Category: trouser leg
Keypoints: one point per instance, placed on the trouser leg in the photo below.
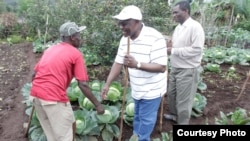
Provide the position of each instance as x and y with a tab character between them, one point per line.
171	93
186	83
146	118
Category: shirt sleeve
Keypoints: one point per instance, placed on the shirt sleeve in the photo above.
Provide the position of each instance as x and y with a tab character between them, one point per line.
80	70
121	51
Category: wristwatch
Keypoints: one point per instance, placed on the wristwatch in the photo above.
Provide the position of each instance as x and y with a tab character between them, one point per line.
138	65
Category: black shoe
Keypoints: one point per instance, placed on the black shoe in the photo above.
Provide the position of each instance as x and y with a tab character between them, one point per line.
170	117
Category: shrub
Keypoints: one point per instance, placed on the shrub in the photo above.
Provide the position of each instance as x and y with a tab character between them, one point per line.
102	34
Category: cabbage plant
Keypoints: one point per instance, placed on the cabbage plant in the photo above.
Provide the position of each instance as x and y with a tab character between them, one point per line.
115	92
85	103
96	85
73	91
199	104
88	104
238	117
129	114
85	125
109	130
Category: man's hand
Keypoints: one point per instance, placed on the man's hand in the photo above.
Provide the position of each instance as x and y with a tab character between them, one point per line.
169	43
169	49
104	92
130	61
99	109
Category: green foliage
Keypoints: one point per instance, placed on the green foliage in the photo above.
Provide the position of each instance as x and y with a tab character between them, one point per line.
84	123
201	85
39	46
218	18
245	25
199	104
73	91
220	54
25	91
88	104
238	117
102	34
231	74
96	85
14	39
85	103
128	117
115	92
212	68
109	130
2	7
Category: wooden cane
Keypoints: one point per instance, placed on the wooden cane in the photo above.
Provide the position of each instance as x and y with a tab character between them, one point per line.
244	86
162	107
161	113
124	92
26	134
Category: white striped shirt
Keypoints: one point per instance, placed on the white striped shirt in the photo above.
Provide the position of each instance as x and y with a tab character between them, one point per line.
148	47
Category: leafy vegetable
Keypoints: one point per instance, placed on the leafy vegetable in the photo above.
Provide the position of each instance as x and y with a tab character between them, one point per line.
96	85
84	123
113	94
88	104
213	67
73	93
107	122
115	91
80	124
106	117
130	109
238	117
198	105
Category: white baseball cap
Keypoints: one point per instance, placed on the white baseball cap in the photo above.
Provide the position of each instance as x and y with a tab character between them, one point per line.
129	12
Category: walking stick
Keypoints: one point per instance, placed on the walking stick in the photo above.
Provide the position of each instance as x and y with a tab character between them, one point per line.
124	92
244	86
29	122
162	107
161	113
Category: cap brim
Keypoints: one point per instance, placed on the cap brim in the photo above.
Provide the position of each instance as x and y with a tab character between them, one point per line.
118	17
81	28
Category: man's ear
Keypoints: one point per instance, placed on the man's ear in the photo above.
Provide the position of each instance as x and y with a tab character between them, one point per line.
72	37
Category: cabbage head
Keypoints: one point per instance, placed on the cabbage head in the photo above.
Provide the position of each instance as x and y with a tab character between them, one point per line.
88	104
80	124
130	109
106	117
113	94
96	85
73	93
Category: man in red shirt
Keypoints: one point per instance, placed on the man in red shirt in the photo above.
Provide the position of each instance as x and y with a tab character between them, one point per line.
52	76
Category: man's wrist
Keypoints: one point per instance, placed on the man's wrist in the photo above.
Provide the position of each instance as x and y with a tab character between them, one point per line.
138	66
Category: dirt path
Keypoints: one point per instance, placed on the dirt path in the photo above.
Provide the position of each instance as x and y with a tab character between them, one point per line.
16	66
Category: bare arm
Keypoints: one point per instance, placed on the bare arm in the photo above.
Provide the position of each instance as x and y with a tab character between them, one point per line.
150	67
114	72
83	85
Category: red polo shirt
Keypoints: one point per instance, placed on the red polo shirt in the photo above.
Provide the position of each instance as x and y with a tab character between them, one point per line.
55	70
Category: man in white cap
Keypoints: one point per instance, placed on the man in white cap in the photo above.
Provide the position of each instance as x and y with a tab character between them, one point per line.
52	76
146	62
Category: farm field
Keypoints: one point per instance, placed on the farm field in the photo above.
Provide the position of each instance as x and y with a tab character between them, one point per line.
18	60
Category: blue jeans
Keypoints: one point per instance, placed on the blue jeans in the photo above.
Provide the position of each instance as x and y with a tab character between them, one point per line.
145	116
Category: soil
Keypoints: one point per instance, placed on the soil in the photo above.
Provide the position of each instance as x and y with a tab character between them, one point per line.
16	67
